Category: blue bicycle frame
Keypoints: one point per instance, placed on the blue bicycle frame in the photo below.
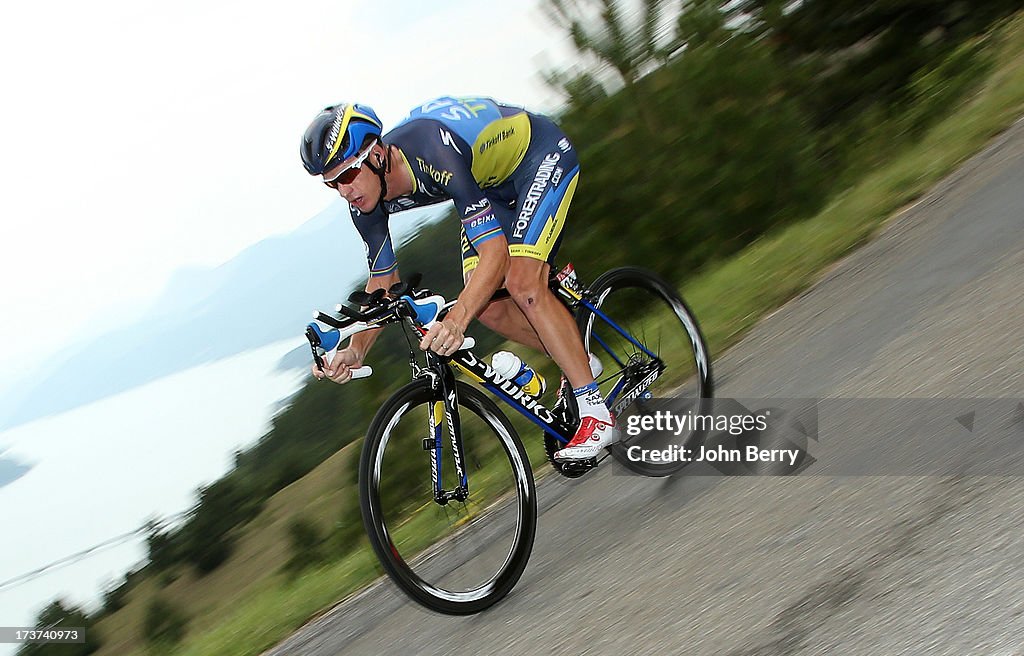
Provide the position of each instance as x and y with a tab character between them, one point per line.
625	390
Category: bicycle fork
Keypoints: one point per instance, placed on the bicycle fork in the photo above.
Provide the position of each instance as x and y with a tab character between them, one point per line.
445	412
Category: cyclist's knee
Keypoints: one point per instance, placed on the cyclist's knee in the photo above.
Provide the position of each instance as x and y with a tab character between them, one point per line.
526	282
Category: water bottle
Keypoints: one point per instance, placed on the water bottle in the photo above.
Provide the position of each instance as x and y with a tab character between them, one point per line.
508	365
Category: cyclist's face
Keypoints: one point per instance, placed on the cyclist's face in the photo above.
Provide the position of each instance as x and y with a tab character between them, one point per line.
359	186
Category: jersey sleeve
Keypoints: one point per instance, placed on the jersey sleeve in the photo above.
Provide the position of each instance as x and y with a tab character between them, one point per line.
380	252
447	166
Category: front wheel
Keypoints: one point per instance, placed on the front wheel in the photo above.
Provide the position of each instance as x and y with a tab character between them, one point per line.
453	556
654	358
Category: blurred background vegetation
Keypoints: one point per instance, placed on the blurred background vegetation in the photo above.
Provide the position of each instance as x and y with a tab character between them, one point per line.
700	125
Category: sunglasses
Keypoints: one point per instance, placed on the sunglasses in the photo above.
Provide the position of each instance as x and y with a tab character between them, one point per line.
349	173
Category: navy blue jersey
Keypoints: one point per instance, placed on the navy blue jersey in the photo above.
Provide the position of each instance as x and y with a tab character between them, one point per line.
470	151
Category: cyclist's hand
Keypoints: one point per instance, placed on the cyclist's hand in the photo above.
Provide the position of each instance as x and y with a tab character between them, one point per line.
444	338
340	370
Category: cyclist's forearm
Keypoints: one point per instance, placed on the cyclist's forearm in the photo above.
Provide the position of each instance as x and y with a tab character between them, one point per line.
487	277
361	342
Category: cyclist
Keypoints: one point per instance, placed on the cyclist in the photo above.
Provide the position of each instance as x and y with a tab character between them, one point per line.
511	174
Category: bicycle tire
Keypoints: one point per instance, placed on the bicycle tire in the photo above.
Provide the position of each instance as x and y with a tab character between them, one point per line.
430	594
663	300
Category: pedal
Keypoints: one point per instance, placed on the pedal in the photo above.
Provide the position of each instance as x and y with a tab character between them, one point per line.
575	468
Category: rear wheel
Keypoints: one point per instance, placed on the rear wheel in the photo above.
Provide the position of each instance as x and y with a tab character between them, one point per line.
661	364
456	557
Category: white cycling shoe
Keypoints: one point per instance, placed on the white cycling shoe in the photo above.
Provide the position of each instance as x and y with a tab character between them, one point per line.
593	436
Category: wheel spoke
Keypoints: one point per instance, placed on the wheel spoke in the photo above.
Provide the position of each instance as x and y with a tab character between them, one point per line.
463	555
651	312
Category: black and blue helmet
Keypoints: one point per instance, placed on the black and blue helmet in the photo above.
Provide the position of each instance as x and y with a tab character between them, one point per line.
337	133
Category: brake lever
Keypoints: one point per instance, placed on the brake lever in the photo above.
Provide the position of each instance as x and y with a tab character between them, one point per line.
314	341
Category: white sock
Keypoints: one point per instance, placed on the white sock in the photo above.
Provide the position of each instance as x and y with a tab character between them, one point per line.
591	402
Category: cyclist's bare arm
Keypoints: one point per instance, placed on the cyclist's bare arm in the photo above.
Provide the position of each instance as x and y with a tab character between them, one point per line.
445	337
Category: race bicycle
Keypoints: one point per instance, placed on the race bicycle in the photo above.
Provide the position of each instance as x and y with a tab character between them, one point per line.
460	544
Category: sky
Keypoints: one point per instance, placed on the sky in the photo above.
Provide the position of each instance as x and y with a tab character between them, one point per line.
139	138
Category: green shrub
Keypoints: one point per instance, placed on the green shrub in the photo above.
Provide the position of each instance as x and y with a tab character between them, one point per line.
60	614
164	624
307	545
935	91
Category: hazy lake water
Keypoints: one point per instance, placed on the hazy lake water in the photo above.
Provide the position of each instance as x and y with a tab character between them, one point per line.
103	469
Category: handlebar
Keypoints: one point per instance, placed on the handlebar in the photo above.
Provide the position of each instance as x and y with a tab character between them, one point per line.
420	306
362	372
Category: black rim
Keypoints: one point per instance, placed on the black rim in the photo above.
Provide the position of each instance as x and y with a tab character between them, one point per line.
653	313
436	576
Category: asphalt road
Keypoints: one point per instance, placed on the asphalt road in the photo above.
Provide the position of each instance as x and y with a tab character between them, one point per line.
925	559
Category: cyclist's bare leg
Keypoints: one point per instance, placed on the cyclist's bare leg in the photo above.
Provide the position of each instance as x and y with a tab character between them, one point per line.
505	318
527	282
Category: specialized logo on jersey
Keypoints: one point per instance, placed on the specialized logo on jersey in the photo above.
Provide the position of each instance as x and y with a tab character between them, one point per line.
564	145
496	139
533	196
448	140
437	175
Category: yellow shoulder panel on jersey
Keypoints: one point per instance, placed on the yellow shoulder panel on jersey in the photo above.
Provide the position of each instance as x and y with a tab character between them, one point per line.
500	148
